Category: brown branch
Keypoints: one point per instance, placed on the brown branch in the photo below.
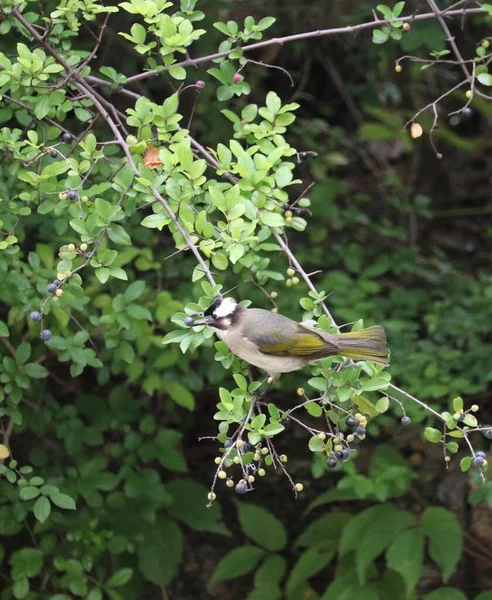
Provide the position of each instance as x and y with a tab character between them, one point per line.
287	39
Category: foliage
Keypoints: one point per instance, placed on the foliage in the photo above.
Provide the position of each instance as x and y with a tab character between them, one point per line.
117	224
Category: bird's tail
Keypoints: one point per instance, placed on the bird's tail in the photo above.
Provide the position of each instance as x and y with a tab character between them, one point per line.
367	344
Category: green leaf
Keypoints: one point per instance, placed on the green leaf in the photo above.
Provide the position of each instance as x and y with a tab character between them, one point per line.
190	506
379	37
238	562
446	594
432	435
177	73
379	535
180	394
261	526
120	578
406	557
272	219
42	509
63	501
35	370
309	563
445	538
134	291
160	551
29	492
485	79
27	562
465	463
42	106
4	330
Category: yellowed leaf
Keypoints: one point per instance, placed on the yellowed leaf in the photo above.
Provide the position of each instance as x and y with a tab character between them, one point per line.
151	157
4	451
416	130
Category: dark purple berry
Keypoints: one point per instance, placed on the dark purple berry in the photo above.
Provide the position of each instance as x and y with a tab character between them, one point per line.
361	431
228	443
285	206
45	335
478	461
189	321
72	195
345	454
303	155
332	463
314	154
248	447
35	316
467	112
242	487
406	420
351	422
356	439
299	212
52	288
67	137
338	454
53	154
488	433
56	282
480	453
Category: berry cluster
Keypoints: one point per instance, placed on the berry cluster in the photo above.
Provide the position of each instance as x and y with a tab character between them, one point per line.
293	279
253	460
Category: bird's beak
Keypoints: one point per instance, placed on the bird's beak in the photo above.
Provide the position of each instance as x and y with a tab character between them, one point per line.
203	321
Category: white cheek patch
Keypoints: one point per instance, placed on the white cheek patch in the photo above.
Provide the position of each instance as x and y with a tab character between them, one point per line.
225	308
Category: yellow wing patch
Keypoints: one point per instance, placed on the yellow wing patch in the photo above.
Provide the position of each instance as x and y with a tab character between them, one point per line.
304	344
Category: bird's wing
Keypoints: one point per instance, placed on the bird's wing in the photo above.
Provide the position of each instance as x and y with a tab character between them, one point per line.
287	338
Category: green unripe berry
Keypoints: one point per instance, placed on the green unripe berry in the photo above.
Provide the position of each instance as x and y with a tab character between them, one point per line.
474	408
290	272
468	94
237	460
62	196
211	496
485	44
298	487
288	214
218	460
261	472
273	295
222	474
229	483
265	451
398	68
300	391
295	280
256	456
251	478
288	282
283	458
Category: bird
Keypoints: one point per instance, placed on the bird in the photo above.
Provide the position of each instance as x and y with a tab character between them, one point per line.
277	344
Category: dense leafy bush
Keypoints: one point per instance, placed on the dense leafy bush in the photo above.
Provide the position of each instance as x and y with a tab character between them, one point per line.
137	183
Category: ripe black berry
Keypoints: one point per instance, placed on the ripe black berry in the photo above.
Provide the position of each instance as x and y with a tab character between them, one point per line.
356	439
467	112
35	316
286	206
228	443
361	430
67	137
248	447
72	195
480	453
298	212
345	453
53	154
46	335
488	433
406	420
56	282
332	463
189	321
339	454
478	461
303	155
351	422
51	288
242	487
